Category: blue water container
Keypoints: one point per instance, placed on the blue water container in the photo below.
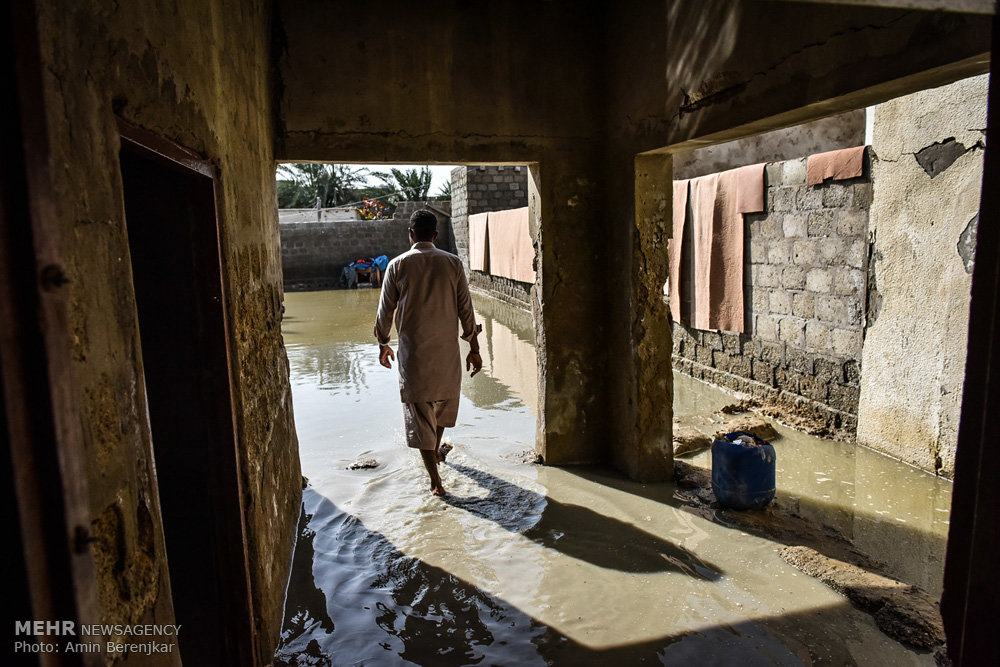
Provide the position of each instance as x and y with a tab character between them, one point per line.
743	477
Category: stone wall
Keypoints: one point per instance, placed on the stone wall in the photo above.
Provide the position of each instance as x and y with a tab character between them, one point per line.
804	295
927	170
314	253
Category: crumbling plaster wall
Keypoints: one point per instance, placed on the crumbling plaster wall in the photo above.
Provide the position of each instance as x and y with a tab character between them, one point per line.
196	73
927	175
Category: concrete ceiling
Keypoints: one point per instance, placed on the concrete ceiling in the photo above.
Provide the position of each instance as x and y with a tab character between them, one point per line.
970	6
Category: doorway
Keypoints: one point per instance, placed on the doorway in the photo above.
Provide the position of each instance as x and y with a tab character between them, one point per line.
176	271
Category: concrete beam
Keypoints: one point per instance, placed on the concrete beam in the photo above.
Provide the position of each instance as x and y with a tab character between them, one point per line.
969	6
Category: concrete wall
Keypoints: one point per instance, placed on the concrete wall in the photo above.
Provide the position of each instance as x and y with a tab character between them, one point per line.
314	253
927	172
826	134
196	73
804	297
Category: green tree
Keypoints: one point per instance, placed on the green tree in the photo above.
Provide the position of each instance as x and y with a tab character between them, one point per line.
409	185
444	192
304	183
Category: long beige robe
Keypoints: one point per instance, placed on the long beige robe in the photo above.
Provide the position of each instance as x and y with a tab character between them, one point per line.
427	292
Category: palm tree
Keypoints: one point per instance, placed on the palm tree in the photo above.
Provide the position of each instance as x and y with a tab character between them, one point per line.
332	184
409	185
444	192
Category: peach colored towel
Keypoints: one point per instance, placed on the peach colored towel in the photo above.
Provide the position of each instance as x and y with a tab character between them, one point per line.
703	195
750	184
836	165
511	253
479	258
674	246
718	202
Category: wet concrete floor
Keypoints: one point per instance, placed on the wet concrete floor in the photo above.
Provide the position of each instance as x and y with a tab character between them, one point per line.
530	565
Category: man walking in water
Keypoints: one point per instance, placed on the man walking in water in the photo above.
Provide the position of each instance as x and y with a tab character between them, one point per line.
427	291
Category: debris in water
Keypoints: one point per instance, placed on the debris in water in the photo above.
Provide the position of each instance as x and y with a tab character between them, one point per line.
524	456
689	441
362	463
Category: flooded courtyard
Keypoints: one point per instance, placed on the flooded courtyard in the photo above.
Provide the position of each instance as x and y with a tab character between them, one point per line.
529	565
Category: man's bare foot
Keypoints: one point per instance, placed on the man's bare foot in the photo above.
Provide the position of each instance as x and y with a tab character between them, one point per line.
438	490
442	452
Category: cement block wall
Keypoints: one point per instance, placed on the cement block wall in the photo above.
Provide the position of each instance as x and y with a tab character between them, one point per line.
927	170
804	295
480	190
147	64
314	253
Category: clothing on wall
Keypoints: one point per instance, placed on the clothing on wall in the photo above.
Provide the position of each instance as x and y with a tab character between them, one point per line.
479	258
837	165
674	246
718	202
511	253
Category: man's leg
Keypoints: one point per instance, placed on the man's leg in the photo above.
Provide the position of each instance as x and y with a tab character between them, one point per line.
419	422
437	447
430	458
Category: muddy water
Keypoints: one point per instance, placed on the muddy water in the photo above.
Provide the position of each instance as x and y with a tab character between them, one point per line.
528	565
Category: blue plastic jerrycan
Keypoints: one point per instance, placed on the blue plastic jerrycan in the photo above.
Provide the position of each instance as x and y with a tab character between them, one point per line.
743	476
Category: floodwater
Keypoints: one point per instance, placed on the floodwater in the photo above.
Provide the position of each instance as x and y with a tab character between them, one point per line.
531	565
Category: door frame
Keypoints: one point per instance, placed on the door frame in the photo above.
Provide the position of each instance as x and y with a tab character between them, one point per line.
229	521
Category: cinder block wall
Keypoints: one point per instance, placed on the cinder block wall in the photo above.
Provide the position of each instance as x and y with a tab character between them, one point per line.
314	253
806	258
479	190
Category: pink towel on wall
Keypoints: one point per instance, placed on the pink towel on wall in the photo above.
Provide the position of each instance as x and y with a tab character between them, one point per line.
512	254
836	165
674	246
479	259
703	194
750	184
718	202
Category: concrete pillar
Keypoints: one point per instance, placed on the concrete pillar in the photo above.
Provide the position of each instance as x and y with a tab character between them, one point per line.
645	452
571	309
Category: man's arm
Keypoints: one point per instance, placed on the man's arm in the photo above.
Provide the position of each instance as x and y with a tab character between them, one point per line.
470	330
383	320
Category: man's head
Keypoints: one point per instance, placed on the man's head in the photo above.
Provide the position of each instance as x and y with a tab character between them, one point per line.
423	226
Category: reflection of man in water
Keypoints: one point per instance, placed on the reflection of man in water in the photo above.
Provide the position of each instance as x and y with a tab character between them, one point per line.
427	290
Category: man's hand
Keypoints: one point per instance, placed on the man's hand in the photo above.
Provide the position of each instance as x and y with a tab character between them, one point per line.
473	362
385	353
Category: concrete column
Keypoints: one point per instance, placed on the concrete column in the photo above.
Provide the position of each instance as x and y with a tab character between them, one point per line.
646	426
571	309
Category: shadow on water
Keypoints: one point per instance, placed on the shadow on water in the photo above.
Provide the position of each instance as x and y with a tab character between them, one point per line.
580	532
903	551
355	599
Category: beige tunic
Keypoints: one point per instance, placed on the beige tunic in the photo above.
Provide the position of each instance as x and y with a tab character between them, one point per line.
428	292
